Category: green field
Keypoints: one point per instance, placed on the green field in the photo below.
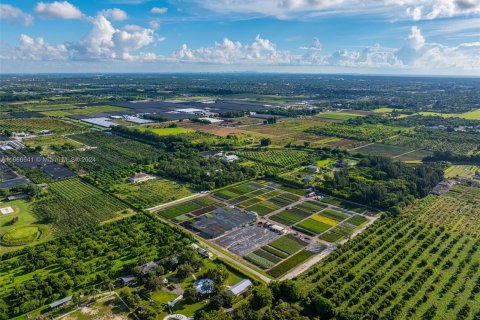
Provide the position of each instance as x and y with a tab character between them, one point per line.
313	226
87	110
35	125
51	141
401	269
288	244
151	192
338	115
287	265
384	110
169	131
24	226
466	171
74	204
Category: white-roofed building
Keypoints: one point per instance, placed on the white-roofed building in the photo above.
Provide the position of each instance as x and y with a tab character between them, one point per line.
241	287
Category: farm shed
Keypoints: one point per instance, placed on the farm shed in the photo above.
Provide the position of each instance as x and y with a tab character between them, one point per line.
61	302
240	287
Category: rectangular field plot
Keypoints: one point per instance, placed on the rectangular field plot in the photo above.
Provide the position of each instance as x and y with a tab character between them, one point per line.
264	208
285	266
288	244
74	203
150	193
384	150
289	217
312	227
239	190
453	213
339	232
347	205
180	209
246	239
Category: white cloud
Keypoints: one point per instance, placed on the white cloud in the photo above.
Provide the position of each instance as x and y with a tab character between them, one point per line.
261	51
154	24
38	50
114	14
288	9
315	46
15	15
159	10
415	13
107	43
61	10
103	41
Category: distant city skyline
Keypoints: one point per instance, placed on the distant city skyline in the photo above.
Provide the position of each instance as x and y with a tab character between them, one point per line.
404	37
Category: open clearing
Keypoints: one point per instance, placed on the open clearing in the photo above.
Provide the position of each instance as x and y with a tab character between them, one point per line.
24	230
461	171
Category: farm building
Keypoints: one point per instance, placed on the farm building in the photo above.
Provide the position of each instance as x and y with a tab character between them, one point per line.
240	287
230	158
313	169
126	280
61	302
139	177
211	120
149	266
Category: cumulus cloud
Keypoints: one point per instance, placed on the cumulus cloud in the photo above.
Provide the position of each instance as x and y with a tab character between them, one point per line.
159	10
60	10
38	50
316	45
105	42
14	15
102	42
233	52
286	9
114	14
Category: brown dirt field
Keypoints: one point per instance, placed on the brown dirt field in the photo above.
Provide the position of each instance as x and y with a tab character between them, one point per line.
346	143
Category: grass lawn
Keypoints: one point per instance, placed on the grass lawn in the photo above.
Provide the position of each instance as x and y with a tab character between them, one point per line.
26	226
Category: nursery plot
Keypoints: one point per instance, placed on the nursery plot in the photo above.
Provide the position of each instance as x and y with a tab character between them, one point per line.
151	192
312	226
288	244
76	204
455	214
401	269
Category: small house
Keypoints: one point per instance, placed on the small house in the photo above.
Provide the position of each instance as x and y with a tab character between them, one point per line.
313	169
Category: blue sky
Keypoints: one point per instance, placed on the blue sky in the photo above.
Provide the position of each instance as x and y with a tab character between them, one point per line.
352	36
